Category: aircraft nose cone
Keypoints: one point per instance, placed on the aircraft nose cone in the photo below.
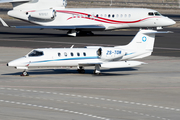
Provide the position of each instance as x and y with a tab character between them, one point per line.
171	21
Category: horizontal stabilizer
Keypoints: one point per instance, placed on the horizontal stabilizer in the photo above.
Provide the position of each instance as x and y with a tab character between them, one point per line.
10	1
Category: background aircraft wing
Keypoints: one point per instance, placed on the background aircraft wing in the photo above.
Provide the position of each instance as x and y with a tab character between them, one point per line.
7	1
73	27
70	27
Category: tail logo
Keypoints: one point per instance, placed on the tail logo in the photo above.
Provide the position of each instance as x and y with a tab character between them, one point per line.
144	39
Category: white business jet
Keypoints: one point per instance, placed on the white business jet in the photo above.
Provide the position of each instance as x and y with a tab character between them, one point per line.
106	57
52	14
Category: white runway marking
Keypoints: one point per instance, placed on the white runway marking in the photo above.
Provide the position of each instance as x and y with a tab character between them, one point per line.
104	99
56	109
90	105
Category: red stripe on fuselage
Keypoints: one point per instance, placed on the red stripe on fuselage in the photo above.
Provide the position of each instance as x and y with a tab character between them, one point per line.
100	19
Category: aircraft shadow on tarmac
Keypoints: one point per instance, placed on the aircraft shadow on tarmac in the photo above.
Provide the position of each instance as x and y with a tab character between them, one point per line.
34	35
69	71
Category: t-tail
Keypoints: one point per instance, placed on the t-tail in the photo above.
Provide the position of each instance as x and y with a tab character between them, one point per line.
35	4
142	44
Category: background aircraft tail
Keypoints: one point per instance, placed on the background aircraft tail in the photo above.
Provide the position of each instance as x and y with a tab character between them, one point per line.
35	4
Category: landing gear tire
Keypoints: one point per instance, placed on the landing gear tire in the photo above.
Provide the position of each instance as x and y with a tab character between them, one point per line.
81	71
96	73
97	70
84	33
24	73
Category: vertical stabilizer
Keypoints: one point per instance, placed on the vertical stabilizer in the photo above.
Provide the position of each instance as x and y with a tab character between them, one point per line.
142	44
144	40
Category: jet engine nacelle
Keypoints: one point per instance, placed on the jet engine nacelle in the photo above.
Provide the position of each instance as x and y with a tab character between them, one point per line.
43	14
110	54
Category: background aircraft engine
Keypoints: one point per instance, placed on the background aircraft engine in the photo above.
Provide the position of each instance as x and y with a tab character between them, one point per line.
44	14
110	54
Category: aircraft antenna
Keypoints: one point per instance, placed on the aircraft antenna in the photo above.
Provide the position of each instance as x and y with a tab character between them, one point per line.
72	46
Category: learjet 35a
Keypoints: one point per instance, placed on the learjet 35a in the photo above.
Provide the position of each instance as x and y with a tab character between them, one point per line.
106	57
52	14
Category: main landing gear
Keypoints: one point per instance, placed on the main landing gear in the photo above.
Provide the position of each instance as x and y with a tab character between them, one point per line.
73	33
81	70
24	73
97	70
82	33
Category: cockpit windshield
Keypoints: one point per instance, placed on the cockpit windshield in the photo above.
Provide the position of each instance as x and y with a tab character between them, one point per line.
35	53
154	14
157	14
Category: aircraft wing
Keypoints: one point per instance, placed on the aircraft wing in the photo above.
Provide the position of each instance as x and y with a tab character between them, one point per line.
89	63
73	27
9	1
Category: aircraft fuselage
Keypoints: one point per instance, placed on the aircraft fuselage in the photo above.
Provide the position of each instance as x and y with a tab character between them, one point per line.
111	18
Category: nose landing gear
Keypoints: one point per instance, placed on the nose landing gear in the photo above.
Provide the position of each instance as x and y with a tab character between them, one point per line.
24	73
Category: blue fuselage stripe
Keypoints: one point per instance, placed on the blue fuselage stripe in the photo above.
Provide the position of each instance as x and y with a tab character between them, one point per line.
76	58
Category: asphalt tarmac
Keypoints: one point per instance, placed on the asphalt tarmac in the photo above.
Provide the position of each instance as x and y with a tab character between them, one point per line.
147	92
165	44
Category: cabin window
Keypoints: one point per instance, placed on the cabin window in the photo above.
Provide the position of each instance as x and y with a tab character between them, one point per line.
101	15
78	54
113	16
117	15
105	15
157	14
59	54
72	54
89	16
129	15
109	15
97	15
151	14
65	54
121	15
35	53
84	53
125	15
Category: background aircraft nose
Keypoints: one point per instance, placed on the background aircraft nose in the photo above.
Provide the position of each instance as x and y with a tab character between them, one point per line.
7	64
171	21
